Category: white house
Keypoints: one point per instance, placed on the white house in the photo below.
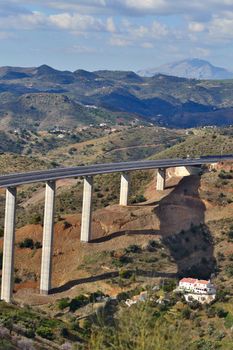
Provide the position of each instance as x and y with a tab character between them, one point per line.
197	286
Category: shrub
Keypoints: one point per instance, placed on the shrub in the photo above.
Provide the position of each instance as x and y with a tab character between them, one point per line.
75	325
72	150
133	248
45	332
63	303
54	164
229	271
123	259
221	313
17	279
64	332
230	234
123	296
125	274
67	225
29	333
94	296
37	245
153	245
35	219
77	302
210	312
221	295
169	285
138	199
27	243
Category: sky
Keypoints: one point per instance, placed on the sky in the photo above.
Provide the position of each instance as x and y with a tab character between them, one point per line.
115	34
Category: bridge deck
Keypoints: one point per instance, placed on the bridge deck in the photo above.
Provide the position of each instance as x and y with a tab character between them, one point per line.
16	179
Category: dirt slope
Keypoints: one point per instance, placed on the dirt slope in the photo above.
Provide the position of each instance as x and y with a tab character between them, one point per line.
162	217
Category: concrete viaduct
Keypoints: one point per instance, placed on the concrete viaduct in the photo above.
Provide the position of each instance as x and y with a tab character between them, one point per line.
10	182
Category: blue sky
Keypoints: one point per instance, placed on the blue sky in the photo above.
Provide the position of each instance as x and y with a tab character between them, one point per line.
115	34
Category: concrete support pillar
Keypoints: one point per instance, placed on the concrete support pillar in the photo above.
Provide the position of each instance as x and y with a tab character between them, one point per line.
8	245
47	245
87	209
161	179
187	170
124	193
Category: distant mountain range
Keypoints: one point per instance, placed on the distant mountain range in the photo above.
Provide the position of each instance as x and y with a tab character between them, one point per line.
44	97
190	69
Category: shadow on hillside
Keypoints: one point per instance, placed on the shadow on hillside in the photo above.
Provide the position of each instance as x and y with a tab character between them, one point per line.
124	233
70	284
184	232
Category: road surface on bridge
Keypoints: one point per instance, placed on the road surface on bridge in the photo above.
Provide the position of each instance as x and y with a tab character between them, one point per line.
11	180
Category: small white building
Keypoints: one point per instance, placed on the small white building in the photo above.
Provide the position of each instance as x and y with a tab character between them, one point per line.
200	290
197	286
137	298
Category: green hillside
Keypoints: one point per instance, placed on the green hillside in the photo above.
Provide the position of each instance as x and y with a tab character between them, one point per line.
200	143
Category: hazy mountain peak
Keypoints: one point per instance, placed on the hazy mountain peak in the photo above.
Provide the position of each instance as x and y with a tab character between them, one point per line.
84	74
192	68
45	69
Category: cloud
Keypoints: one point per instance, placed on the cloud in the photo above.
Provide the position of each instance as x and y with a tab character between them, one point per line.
153	30
221	27
80	49
133	7
76	22
138	7
23	21
196	27
120	41
126	23
72	22
110	25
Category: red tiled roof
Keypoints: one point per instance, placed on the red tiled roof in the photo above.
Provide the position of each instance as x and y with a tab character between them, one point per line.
193	280
189	280
202	281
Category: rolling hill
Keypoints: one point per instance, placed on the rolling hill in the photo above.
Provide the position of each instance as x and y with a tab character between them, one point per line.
42	97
